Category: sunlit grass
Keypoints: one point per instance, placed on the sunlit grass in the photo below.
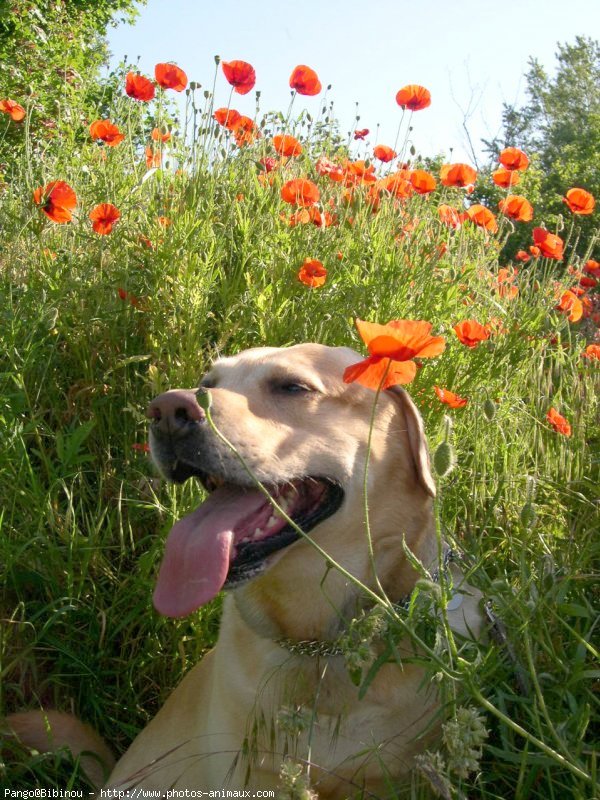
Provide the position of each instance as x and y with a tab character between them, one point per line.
93	326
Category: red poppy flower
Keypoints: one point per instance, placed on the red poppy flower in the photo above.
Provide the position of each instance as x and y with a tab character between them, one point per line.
170	76
324	166
57	200
423	182
483	217
245	131
588	281
550	245
580	201
104	217
268	164
397	184
392	348
592	351
471	333
522	255
227	117
361	134
240	75
312	214
153	158
516	207
287	145
142	447
305	81
535	251
571	306
592	267
300	192
457	175
15	111
505	177
320	219
106	131
450	399
157	135
558	422
512	158
414	97
356	172
312	273
449	216
139	87
504	285
384	153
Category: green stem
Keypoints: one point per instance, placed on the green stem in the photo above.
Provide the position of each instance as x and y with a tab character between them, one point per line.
529	737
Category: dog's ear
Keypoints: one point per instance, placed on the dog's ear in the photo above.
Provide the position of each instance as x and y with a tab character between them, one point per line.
416	437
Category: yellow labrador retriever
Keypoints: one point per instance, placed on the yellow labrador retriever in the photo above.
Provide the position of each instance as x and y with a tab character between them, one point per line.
276	683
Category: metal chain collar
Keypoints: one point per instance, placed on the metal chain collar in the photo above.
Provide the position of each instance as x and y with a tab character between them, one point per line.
326	649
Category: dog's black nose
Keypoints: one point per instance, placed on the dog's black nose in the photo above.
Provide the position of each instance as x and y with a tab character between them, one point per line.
175	412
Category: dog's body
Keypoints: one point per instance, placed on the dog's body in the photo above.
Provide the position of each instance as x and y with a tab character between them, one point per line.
255	698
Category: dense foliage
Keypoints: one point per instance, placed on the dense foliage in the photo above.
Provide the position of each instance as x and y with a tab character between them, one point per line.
50	49
124	270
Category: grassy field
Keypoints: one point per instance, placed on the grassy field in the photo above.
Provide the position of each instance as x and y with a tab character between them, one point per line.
204	260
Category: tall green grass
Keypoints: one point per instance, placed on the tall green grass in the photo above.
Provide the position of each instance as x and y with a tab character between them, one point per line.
84	514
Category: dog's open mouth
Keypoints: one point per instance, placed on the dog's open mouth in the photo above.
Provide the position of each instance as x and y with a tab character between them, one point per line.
227	540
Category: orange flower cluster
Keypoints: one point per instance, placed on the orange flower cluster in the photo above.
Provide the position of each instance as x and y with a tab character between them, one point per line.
167	76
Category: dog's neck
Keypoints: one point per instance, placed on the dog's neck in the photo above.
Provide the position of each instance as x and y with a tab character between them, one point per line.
319	603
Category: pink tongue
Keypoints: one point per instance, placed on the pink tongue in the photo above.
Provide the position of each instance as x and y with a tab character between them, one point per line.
198	551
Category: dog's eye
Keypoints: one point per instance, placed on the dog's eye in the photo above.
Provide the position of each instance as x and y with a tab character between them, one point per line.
291	387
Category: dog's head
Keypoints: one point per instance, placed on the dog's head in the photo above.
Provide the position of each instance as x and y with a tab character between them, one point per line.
303	433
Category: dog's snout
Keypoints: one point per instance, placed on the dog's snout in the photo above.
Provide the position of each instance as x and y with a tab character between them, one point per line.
175	411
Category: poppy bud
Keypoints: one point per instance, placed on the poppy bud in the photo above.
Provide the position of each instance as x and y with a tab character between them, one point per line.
444	459
489	409
204	399
430	587
217	60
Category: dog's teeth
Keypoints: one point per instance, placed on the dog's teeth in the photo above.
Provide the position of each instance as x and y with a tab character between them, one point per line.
272	521
257	533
